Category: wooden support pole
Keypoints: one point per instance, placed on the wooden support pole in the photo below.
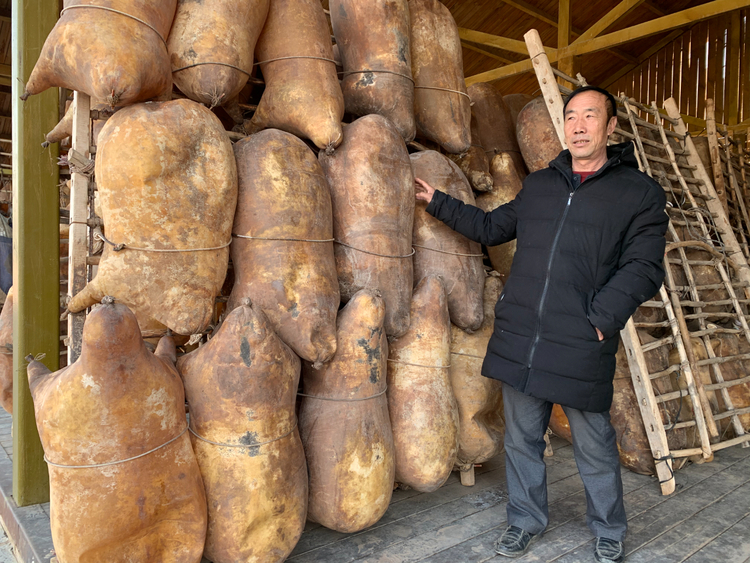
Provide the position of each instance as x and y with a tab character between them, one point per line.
36	250
547	81
567	64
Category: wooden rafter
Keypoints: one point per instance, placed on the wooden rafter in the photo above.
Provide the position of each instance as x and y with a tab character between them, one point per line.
658	25
551	20
567	65
532	11
639	31
610	18
476	49
505	43
563	24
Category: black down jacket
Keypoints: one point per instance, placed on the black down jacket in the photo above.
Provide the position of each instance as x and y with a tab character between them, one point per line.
587	255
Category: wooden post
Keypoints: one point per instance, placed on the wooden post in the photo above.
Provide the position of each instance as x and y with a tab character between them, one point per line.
78	237
467	476
36	250
713	147
547	81
568	64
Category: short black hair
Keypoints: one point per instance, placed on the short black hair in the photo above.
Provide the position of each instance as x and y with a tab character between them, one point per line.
611	106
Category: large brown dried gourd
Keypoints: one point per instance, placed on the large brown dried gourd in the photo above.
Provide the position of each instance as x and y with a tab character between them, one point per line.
167	180
497	132
726	345
343	420
282	250
113	50
442	107
211	47
537	136
372	191
441	251
474	162
515	103
506	185
373	41
6	354
302	94
124	483
423	410
242	389
479	399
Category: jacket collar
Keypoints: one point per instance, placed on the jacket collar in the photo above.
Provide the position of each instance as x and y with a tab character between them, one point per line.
622	153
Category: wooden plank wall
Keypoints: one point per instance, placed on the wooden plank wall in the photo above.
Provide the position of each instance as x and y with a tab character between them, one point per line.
710	60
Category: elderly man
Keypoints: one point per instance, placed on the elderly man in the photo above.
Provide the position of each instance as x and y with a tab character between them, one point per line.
590	244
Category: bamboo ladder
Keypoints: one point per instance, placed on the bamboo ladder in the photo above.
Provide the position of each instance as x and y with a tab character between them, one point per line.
685	188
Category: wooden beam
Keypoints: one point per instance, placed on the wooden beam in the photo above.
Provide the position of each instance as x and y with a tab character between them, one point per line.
36	248
505	43
471	47
731	106
563	23
567	64
744	125
503	72
654	9
659	25
532	11
549	19
5	74
644	57
608	19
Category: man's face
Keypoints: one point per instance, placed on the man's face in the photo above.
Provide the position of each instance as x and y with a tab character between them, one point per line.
587	127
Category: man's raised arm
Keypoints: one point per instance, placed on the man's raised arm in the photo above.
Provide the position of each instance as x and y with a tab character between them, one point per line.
493	228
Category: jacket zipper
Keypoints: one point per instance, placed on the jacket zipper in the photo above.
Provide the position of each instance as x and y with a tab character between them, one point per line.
543	299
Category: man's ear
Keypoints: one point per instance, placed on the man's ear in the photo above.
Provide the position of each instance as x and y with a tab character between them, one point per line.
611	125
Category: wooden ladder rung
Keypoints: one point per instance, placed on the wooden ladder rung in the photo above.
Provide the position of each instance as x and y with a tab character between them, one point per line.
723	360
733	412
727	384
670	370
657	344
661	324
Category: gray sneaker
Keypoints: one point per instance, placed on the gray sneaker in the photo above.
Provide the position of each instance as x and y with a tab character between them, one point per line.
609	551
514	542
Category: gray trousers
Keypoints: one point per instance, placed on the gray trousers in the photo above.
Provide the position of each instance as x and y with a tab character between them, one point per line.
595	449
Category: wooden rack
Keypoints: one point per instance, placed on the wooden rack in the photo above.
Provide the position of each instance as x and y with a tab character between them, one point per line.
700	236
728	164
